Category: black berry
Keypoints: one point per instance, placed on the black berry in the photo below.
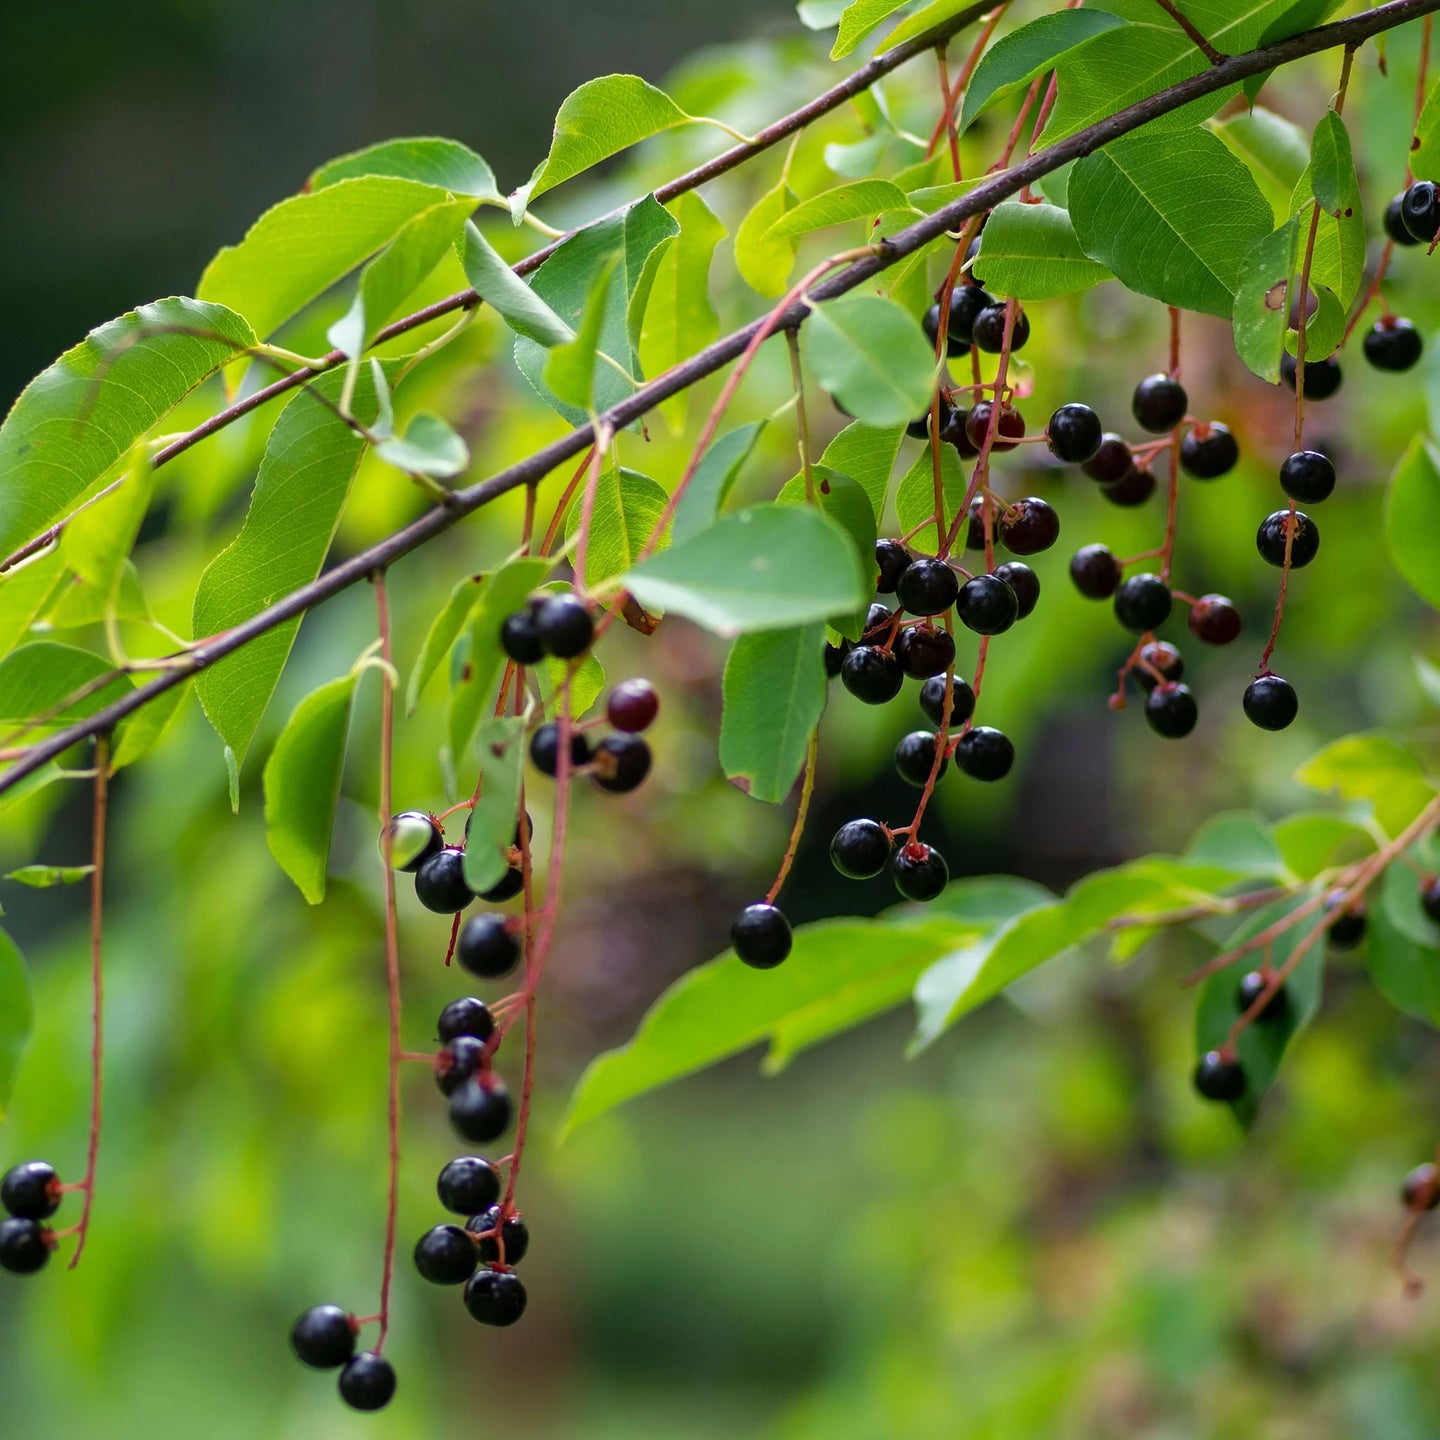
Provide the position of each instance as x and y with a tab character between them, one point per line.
509	885
1024	582
323	1337
1395	222
860	849
966	302
495	1297
914	757
1304	543
1322	377
1159	404
872	675
1393	344
975	524
487	946
1307	476
928	587
1420	211
924	651
367	1382
564	627
892	559
1430	897
930	323
1250	990
446	1255
1111	462
1095	571
1158	661
919	427
1421	1188
920	871
761	936
545	749
413	837
1218	1077
988	331
24	1246
480	1109
468	1185
1209	451
621	763
972	253
1270	702
457	1062
985	753
632	706
878	616
962	700
440	883
1170	710
1135	488
956	433
986	605
1029	526
1142	603
1214	620
31	1190
520	640
1074	434
1009	428
514	1233
834	656
1349	929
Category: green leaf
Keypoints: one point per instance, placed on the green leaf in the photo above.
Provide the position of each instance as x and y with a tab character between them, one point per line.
418	247
774	691
1237	840
1401	947
821	14
1412	519
281	546
41	877
37	678
1191	210
569	371
603	117
839	973
628	506
17	1015
1323	330
139	733
866	453
859	200
1426	674
302	784
711	483
444	630
1017	58
858	20
512	299
1260	314
491	831
299	248
78	603
769	567
765	264
1030	251
681	320
587	682
429	447
1425	157
915	495
1319	840
445	164
872	357
1275	149
25	591
1338	262
921	20
97	541
849	507
563	282
82	414
501	594
1333	165
1374	767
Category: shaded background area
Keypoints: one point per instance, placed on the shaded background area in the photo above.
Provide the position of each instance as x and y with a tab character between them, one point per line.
1034	1229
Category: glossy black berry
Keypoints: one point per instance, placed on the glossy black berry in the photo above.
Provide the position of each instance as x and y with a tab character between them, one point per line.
1142	603
545	749
509	885
1395	222
1024	582
1074	434
440	883
1430	897
1214	620
988	331
480	1110
985	753
955	432
24	1246
878	617
919	427
1421	1188
930	323
495	1297
1393	344
31	1190
919	871
1133	489
1029	526
520	640
1170	710
914	756
1159	404
632	706
413	837
1095	571
487	946
972	253
621	763
367	1382
1270	538
834	656
986	605
892	560
860	849
872	675
564	627
1348	930
928	587
323	1337
457	1062
468	1185
966	302
761	936
1307	476
446	1255
1420	211
1111	462
924	651
962	701
1322	377
1219	1078
514	1233
1250	990
975	523
1209	451
1008	429
1158	661
1270	702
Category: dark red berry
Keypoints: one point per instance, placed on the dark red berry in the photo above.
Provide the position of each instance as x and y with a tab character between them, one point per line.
520	640
31	1190
932	701
1029	526
632	706
413	837
860	849
892	559
514	1235
1421	1190
545	749
984	753
1111	462
621	763
367	1382
440	883
1142	603
1304	544
1209	451
1135	489
987	605
1214	620
323	1337
1322	377
487	947
1307	476
1219	1077
914	757
468	1185
1430	897
1393	344
495	1297
1095	571
988	331
872	675
954	432
465	1017
481	1109
1009	428
1270	702
1251	988
1024	582
923	651
919	871
1170	710
1420	211
1395	222
761	936
445	1255
928	587
1158	661
1159	404
1074	434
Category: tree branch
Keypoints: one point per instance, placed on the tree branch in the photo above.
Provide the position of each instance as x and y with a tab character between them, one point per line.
983	197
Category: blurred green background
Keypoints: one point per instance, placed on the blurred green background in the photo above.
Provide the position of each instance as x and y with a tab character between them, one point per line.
1033	1231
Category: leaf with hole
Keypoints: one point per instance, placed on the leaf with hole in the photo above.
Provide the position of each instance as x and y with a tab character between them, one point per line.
1260	315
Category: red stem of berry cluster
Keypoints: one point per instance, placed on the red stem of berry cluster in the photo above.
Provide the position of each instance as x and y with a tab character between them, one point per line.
97	984
947	113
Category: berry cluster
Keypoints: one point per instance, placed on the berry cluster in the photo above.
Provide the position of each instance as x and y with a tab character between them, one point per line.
30	1193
